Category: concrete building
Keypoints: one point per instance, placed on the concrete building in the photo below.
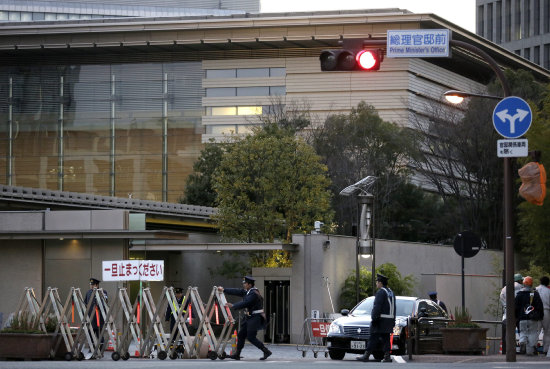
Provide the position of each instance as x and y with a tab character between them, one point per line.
521	26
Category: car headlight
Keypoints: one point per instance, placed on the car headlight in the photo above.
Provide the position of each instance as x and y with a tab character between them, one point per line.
335	328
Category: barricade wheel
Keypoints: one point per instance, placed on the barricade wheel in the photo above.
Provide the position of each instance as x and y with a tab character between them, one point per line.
173	356
303	354
212	355
222	356
80	356
68	356
315	355
326	354
126	356
115	356
162	355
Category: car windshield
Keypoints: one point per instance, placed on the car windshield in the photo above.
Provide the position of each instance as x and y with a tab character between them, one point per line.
403	307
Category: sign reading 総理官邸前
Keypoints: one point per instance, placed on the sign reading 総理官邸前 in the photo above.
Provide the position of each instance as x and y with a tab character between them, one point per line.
418	43
133	270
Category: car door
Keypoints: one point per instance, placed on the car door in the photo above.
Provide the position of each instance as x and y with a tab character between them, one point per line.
431	318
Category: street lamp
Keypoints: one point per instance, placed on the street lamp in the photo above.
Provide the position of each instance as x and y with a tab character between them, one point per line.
508	214
363	244
457	97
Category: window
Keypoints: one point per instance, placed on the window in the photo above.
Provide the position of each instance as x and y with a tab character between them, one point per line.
226	129
49	16
37	16
224	110
252	91
277	90
277	72
26	17
252	72
15	16
249	110
221	73
4	15
220	92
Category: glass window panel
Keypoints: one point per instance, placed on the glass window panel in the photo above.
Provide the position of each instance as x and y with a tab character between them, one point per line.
220	92
224	110
85	16
26	17
49	16
249	110
15	16
277	90
62	16
74	16
252	72
252	91
37	16
277	72
220	73
4	15
226	129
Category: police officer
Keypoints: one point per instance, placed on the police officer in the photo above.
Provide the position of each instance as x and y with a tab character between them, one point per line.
433	297
97	317
178	293
254	320
383	320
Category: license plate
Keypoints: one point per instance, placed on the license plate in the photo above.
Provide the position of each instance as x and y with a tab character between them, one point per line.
357	345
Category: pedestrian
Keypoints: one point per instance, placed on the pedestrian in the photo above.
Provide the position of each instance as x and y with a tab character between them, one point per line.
433	297
94	312
254	319
518	285
383	320
544	293
172	315
529	313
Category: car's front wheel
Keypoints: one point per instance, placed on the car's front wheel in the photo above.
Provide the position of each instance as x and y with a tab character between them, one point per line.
336	354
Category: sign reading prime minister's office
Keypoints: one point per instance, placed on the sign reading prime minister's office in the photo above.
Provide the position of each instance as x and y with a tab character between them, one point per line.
419	43
133	270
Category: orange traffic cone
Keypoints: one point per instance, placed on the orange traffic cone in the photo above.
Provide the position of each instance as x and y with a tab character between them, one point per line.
500	348
136	353
233	343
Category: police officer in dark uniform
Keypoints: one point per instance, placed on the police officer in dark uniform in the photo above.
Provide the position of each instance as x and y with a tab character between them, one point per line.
97	317
433	297
178	293
254	320
383	320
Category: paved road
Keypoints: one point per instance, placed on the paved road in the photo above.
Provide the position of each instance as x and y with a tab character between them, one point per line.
288	357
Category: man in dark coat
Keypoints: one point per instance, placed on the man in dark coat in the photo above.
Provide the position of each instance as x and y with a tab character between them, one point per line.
97	318
178	293
254	319
383	320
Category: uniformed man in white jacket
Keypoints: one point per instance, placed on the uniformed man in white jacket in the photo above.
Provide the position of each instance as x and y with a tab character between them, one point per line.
518	280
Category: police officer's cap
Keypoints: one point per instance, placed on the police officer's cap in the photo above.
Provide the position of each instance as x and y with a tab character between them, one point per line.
248	279
432	293
178	290
94	281
381	278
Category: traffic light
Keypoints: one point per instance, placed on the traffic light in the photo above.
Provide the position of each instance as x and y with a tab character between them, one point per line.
347	59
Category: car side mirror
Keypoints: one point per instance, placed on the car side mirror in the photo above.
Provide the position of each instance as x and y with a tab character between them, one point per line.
344	312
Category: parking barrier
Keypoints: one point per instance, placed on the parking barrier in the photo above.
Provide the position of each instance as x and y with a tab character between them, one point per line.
314	333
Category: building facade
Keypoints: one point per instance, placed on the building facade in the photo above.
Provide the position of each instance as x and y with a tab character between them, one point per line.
521	26
122	107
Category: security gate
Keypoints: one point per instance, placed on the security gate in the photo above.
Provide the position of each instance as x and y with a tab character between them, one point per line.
277	305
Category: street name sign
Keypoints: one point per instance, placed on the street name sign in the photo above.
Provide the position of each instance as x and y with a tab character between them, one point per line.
419	43
515	148
512	117
133	270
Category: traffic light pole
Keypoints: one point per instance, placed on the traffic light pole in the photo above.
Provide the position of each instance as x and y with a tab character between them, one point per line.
508	214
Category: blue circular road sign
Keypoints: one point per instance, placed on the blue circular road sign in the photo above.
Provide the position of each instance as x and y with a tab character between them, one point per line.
512	117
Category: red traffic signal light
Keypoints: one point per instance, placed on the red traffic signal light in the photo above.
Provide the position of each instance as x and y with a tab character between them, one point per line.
347	60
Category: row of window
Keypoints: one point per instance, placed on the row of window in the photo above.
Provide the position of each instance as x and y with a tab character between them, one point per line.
236	110
246	91
12	16
245	73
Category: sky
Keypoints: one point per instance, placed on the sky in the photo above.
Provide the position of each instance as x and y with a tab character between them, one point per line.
459	12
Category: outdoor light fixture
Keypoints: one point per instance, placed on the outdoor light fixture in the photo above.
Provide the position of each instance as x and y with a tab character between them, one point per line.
457	97
360	187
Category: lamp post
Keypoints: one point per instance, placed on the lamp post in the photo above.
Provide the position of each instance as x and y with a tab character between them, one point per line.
508	214
364	222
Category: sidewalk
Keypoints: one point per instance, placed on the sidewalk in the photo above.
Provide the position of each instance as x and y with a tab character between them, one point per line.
473	358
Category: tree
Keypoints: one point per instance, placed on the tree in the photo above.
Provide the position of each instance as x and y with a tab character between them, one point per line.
199	184
270	185
402	286
533	220
357	145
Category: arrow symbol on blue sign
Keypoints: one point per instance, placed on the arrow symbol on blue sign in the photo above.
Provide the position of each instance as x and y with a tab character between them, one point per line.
503	116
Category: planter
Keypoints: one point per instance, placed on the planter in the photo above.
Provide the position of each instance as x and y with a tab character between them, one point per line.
464	340
25	346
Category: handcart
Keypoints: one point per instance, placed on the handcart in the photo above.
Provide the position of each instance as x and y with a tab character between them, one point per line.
314	333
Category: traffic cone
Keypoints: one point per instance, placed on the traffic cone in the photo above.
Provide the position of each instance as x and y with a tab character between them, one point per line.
233	343
500	348
136	353
110	346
